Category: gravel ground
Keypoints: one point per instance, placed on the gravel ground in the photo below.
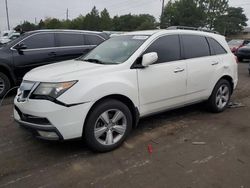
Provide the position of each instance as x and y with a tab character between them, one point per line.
191	149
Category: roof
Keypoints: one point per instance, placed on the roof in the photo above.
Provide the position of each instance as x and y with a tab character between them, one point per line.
64	30
172	31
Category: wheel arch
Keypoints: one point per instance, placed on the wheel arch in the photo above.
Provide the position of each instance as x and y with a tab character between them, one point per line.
230	80
4	69
124	99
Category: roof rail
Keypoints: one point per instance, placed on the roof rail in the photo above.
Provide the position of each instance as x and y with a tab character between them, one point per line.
192	28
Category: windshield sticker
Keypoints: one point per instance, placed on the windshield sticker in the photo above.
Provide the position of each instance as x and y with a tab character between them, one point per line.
140	37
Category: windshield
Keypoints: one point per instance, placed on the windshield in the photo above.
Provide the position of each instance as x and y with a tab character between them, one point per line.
115	50
235	42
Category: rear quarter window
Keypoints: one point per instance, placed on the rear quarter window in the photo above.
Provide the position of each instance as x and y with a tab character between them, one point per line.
93	39
195	46
215	47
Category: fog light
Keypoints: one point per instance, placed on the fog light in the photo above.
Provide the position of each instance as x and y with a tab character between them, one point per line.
49	135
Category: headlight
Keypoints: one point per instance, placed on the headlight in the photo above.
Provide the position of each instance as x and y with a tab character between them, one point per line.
51	90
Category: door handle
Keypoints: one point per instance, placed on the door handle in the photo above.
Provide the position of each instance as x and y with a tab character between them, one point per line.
215	63
177	70
52	54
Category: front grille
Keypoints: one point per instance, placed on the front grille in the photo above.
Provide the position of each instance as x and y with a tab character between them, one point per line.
32	119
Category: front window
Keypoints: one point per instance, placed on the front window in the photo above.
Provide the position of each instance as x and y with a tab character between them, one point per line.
116	50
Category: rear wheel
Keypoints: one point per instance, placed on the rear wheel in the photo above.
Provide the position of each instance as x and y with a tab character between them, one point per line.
107	126
4	84
220	97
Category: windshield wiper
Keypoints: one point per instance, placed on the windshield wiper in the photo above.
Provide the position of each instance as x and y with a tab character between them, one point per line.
94	61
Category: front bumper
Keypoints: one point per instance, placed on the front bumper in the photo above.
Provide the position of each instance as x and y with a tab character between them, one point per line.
51	121
42	132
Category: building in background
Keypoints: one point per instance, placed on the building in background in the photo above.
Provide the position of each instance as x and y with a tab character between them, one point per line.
245	34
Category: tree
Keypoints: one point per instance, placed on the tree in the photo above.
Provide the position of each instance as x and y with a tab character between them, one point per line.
183	12
41	24
232	22
92	20
213	10
145	21
26	26
105	20
52	23
77	23
130	22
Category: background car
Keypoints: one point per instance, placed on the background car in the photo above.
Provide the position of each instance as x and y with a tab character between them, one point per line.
243	52
10	37
42	47
235	44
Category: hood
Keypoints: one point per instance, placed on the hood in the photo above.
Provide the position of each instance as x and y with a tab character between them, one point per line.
245	47
65	71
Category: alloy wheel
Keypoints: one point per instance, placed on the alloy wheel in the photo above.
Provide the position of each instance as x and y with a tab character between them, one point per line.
110	127
2	85
222	96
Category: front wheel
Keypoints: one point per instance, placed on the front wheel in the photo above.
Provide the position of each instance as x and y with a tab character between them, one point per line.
4	84
107	125
220	97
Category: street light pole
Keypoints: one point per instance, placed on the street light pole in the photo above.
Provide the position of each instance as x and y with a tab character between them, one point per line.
7	13
162	9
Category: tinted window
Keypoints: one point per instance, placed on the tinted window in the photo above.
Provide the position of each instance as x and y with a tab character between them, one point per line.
93	40
43	40
215	47
195	46
167	48
70	39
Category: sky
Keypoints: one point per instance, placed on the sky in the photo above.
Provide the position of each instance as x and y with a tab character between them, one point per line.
34	10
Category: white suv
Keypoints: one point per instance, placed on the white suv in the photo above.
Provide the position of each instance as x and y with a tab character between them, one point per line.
102	95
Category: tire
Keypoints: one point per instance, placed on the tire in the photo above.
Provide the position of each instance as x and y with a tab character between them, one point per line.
103	132
220	97
4	84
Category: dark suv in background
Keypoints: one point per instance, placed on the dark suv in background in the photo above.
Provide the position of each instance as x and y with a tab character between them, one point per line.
42	47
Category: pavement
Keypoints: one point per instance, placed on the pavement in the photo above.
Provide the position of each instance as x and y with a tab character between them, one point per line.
184	148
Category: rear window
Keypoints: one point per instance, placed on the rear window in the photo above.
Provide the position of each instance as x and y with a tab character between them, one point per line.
69	39
215	47
195	46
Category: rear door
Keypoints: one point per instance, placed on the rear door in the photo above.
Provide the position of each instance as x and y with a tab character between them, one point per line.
200	66
163	84
39	51
69	45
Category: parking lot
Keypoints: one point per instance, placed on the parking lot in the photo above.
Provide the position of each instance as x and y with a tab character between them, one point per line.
190	148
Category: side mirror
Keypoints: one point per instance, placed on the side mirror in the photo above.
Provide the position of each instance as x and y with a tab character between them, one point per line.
19	47
149	59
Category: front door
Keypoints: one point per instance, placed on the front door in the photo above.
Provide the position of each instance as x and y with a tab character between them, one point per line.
163	84
40	51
